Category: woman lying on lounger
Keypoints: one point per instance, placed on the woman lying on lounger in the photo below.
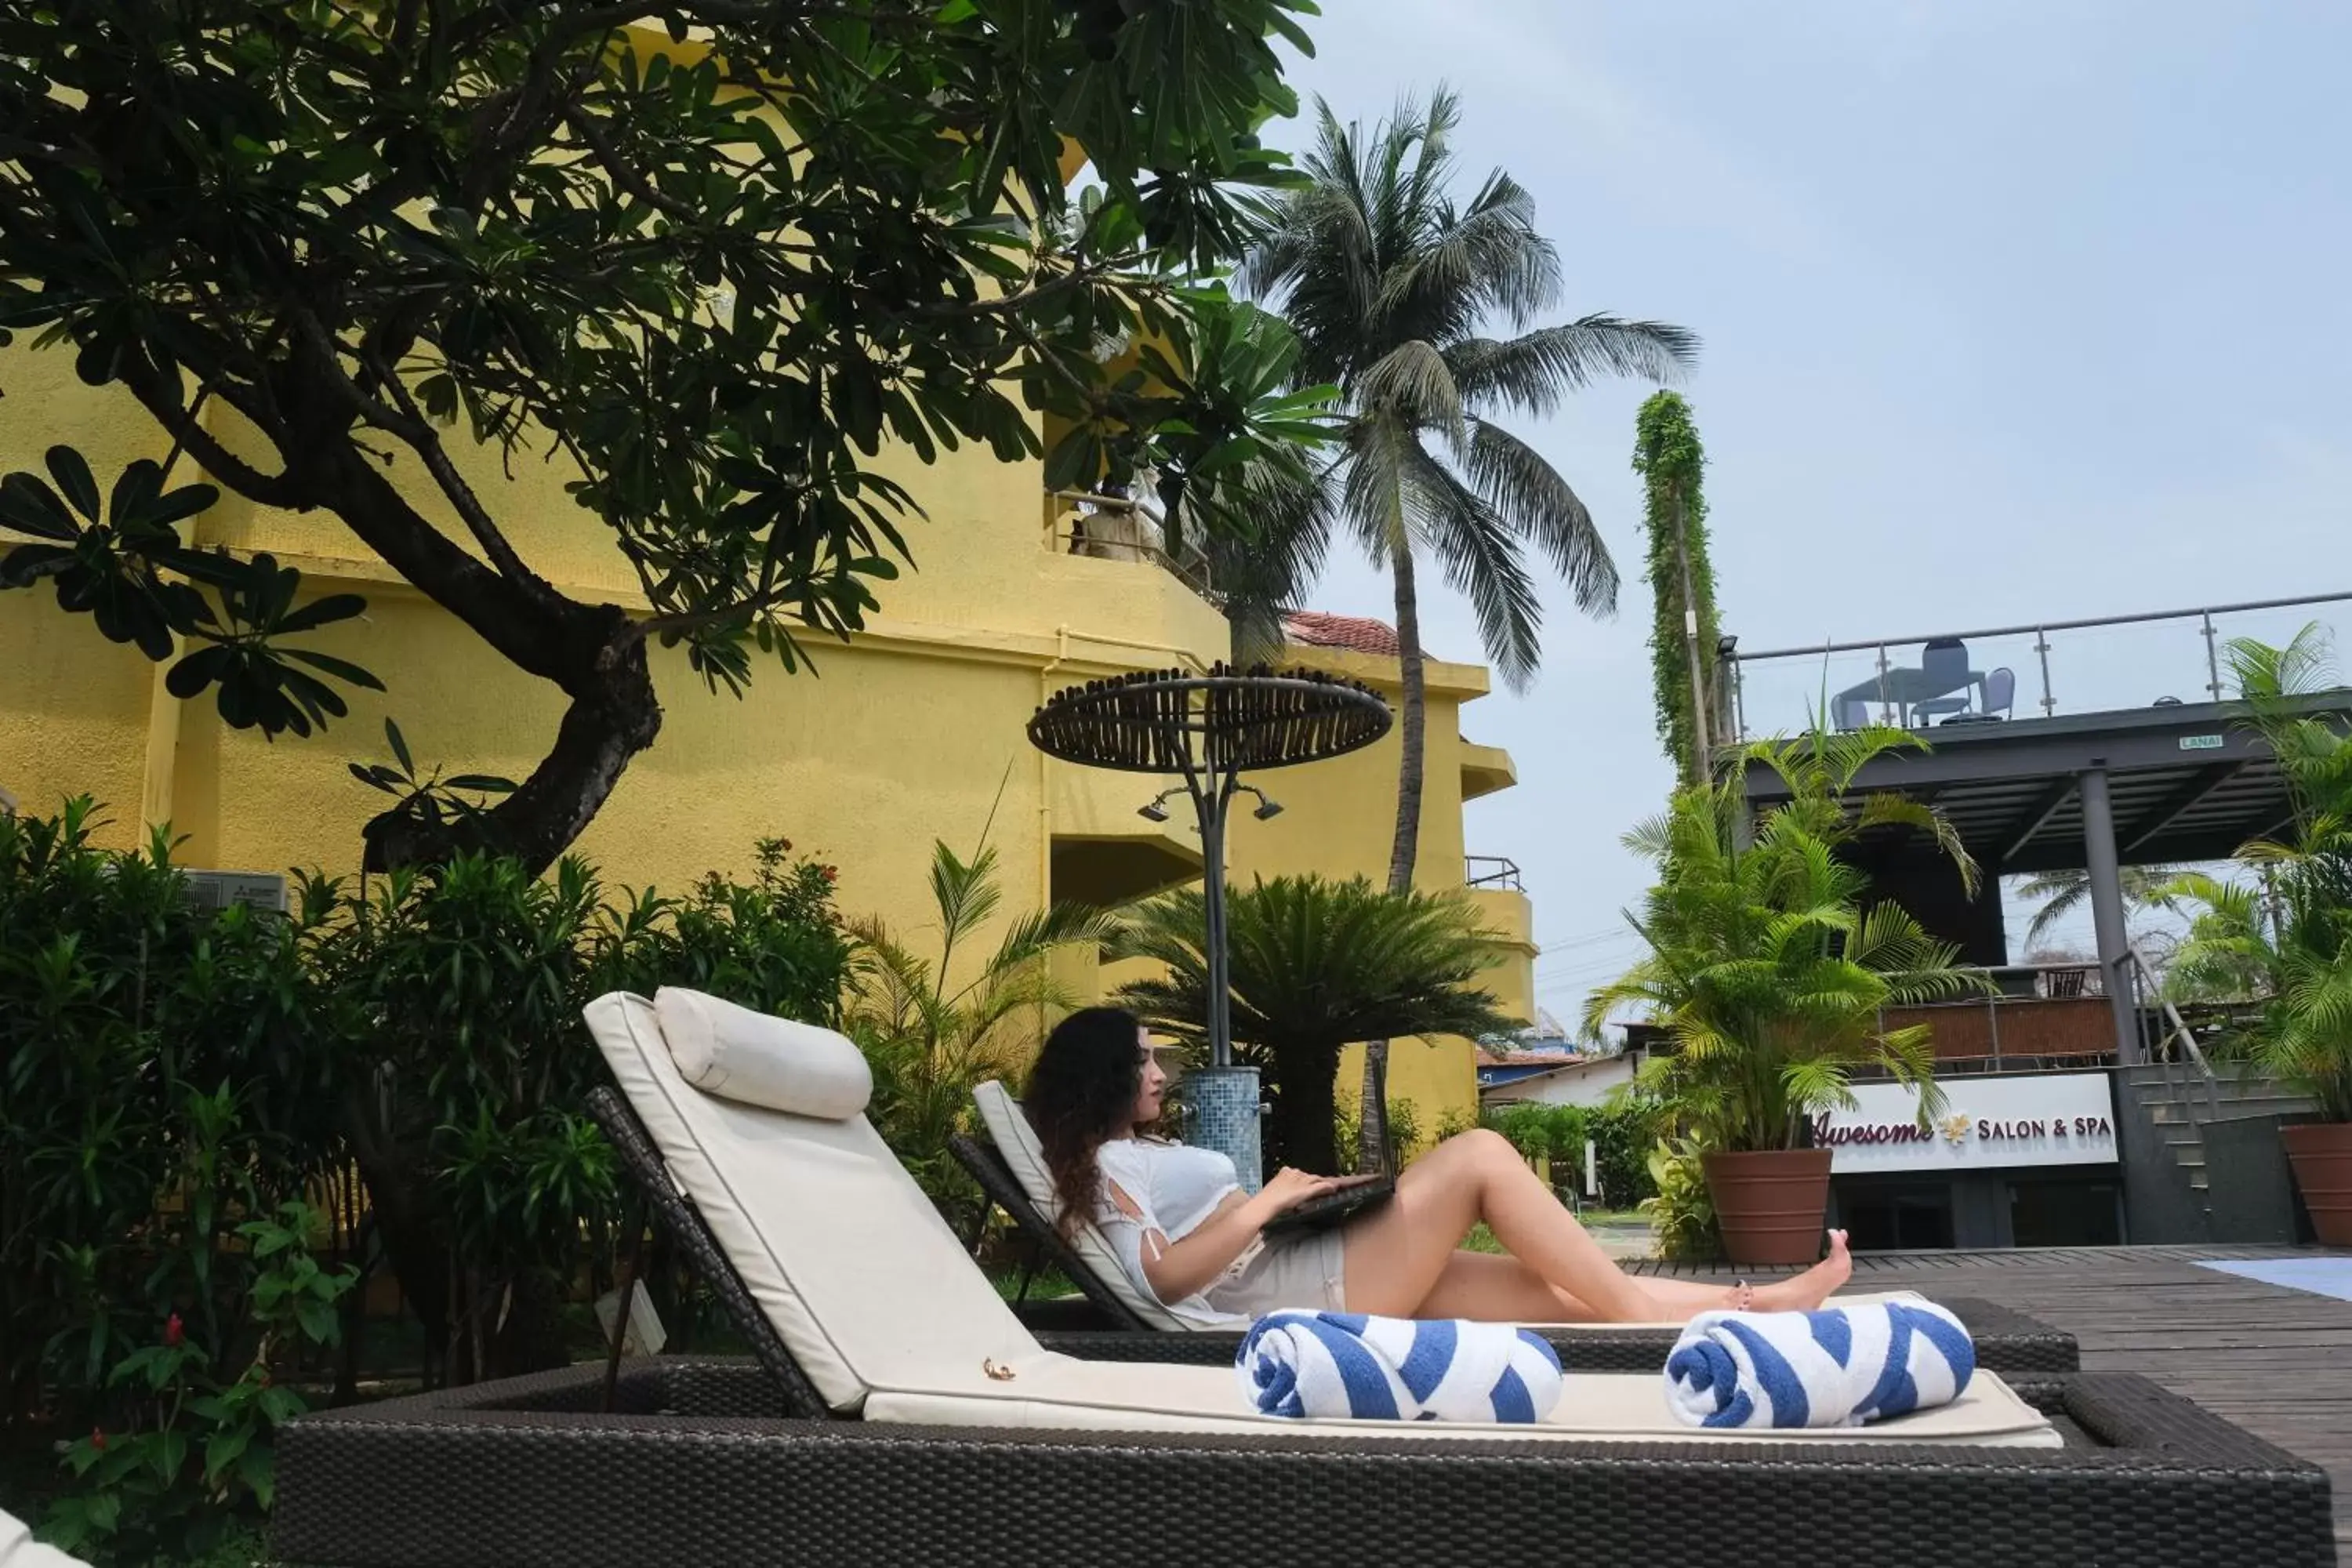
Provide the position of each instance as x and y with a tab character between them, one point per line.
1188	1235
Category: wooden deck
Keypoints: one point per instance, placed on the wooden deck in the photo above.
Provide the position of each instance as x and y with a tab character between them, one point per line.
2276	1361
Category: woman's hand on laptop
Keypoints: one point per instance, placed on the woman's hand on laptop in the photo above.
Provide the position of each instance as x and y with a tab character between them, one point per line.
1289	1187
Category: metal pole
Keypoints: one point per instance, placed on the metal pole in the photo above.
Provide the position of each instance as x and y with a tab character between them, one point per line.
2108	913
2213	660
1210	798
2041	647
1885	708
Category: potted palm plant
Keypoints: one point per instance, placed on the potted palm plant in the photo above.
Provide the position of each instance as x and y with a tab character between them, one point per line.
2287	946
1772	978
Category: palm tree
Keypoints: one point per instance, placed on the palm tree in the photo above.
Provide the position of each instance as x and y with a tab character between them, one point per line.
1391	287
1317	965
2287	946
2065	891
1763	961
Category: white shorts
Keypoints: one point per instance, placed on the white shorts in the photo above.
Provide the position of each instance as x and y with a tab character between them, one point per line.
1306	1271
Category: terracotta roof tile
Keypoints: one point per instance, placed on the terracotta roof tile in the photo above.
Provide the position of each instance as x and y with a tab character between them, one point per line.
1361	633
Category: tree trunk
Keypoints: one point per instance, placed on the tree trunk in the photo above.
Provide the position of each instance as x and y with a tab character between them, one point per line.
1701	764
1406	848
591	652
1303	1126
614	714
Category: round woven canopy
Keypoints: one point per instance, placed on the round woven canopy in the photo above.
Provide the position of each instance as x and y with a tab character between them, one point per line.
1227	721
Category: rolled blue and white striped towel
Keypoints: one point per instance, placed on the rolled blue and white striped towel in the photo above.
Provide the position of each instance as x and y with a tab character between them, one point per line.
1841	1366
1345	1365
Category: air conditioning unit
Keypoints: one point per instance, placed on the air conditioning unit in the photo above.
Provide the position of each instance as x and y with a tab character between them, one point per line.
223	890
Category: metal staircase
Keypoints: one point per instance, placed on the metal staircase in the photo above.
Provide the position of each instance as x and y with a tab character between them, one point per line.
2183	1093
2182	1106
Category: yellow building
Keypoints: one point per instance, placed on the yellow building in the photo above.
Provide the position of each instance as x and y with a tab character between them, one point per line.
905	734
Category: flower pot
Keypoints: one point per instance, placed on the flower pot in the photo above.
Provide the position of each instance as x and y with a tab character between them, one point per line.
1770	1206
2321	1153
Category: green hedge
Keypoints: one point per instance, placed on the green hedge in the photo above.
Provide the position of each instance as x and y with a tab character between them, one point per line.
1621	1135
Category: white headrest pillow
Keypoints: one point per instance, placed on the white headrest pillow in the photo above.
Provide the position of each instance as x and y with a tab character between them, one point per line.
737	1053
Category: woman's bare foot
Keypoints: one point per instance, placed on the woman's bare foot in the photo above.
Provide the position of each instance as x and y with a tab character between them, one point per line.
1808	1289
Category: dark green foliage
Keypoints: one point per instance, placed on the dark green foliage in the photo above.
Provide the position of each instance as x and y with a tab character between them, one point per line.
125	566
1673	465
2285	944
150	1048
172	1073
1764	963
711	276
458	993
1316	965
1621	1137
187	1452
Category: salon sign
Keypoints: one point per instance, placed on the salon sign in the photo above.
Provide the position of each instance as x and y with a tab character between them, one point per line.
2038	1118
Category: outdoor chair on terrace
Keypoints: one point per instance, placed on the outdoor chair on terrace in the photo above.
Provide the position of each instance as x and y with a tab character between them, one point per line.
942	1431
1010	1169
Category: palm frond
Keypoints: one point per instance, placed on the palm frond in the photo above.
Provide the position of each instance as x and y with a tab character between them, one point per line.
1529	494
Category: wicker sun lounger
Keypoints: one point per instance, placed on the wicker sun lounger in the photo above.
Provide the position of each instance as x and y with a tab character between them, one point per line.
941	1431
697	1468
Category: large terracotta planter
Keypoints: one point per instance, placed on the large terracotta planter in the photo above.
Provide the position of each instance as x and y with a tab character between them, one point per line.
2321	1154
1770	1206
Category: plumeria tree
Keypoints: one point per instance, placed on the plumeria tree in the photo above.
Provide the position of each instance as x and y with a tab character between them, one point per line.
707	256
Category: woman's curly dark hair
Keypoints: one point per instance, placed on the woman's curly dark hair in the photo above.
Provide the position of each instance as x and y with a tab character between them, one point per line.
1081	1094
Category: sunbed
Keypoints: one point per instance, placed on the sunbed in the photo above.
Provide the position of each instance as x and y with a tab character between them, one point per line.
946	1433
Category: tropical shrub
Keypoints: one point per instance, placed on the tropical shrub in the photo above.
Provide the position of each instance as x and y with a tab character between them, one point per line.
1621	1135
1764	965
160	1085
457	993
934	1028
1681	1209
2287	945
1314	965
184	1451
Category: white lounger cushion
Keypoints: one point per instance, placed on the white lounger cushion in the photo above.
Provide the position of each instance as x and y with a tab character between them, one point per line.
1053	1391
876	1301
1016	1142
862	1278
759	1059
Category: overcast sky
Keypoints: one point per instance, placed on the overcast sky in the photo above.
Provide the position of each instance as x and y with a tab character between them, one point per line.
2013	310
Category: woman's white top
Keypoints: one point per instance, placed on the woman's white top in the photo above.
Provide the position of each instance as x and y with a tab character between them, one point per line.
1174	1188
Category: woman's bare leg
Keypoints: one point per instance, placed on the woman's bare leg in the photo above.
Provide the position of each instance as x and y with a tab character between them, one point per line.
1489	1289
1398	1253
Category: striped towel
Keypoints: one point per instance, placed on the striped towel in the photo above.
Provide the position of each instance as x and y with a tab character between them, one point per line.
1344	1365
1841	1366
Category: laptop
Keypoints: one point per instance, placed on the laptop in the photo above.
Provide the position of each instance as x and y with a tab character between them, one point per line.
1360	1193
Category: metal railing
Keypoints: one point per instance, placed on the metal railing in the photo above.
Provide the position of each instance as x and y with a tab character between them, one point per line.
2117	662
2016	985
1128	529
2174	1046
1492	871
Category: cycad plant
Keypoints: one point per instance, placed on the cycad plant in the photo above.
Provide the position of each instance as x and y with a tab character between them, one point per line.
1765	964
934	1028
1316	965
2286	945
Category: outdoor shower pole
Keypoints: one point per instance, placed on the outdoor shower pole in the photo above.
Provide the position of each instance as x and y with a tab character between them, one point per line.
1209	799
